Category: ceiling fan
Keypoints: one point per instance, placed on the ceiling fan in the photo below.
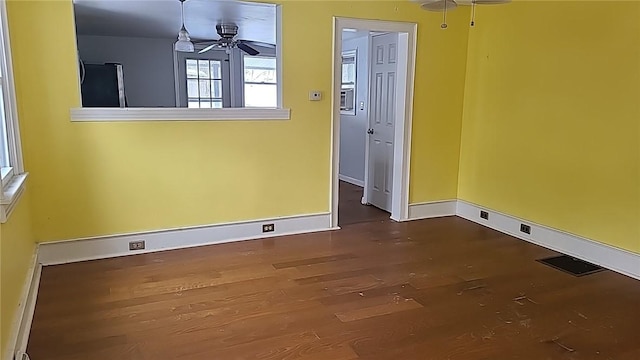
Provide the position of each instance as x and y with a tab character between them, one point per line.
228	41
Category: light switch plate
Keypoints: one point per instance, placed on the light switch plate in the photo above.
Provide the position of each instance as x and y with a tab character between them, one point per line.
315	95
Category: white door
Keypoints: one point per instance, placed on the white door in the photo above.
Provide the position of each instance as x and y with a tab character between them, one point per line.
382	92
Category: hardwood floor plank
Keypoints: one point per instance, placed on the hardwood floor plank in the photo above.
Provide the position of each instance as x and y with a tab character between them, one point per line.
396	305
315	260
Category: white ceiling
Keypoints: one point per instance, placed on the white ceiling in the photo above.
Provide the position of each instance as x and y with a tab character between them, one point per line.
353	34
161	18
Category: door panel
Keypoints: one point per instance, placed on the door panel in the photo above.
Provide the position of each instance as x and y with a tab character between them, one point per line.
382	119
377	104
391	94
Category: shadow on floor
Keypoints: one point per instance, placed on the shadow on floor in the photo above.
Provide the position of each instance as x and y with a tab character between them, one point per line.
350	208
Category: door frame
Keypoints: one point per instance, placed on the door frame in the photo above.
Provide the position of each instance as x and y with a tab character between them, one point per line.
407	33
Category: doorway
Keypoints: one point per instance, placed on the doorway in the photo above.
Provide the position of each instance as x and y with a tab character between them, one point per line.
373	80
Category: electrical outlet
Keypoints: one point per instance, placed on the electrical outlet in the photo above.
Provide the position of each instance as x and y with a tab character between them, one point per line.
484	214
525	229
268	228
136	245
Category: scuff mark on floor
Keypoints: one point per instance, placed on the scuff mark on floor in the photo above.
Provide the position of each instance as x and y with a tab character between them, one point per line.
471	288
556	341
519	300
582	315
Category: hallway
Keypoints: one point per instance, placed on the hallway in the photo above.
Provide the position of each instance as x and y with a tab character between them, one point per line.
350	209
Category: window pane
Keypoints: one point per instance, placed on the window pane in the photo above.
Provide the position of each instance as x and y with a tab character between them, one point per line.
205	88
217	88
192	68
206	85
192	88
259	62
260	95
349	73
4	145
260	69
216	70
203	69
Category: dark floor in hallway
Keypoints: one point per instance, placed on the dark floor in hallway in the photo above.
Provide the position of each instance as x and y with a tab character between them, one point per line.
351	210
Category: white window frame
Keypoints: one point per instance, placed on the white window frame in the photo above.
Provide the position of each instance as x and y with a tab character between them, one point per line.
180	70
352	87
13	177
185	114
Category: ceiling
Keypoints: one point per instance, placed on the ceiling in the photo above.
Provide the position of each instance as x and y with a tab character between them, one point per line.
161	18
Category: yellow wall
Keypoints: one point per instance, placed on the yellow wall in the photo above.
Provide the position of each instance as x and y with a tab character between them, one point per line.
551	123
17	247
106	178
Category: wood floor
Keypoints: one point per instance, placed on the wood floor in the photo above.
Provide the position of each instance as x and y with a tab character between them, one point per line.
431	289
351	210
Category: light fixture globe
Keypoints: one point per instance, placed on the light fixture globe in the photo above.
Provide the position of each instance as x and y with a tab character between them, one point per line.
184	43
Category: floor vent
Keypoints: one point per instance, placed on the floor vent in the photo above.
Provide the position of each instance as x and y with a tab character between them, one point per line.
571	265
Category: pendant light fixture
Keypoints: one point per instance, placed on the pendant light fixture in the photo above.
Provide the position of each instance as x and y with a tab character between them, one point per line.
184	43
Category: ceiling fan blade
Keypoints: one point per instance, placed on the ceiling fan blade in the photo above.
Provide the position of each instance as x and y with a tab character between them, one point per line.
248	49
259	44
207	48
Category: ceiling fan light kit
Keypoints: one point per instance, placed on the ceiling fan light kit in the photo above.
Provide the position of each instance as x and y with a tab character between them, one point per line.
446	5
184	43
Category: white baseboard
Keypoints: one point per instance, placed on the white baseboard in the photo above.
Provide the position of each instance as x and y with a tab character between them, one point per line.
607	256
61	252
21	325
351	180
432	209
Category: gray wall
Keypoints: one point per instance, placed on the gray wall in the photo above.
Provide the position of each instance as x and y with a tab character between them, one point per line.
147	66
353	128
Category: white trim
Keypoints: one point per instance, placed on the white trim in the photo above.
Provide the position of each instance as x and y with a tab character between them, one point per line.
618	260
279	61
177	114
11	194
365	193
402	129
62	252
10	103
432	209
176	78
351	180
21	325
402	144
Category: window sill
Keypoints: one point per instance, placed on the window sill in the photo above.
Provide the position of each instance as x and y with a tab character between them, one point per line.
177	114
11	194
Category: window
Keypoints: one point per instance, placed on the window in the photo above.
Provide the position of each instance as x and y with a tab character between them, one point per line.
260	82
12	174
348	87
204	83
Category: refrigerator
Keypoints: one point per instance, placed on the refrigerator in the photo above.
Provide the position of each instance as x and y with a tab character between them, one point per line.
102	85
